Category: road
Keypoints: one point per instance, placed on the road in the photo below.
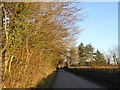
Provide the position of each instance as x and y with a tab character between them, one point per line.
65	79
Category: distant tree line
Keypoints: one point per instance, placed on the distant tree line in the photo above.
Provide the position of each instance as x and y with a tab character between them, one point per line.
113	56
85	55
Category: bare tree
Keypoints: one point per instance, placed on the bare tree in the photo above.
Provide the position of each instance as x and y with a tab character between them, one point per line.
39	36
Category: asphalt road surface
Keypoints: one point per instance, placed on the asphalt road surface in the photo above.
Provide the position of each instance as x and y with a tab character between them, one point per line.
65	79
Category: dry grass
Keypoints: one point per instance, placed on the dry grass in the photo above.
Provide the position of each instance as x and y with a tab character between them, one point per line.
109	67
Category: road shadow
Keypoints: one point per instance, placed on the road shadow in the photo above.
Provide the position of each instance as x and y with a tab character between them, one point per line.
46	82
103	79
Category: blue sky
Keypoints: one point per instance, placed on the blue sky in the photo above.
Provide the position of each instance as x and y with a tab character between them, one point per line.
100	25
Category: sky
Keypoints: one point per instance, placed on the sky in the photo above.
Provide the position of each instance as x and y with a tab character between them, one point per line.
100	25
